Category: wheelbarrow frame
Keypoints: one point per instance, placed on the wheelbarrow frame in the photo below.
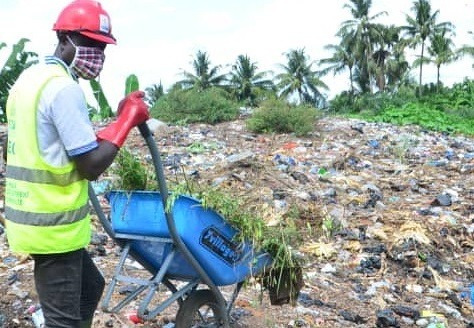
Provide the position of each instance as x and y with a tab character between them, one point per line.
151	285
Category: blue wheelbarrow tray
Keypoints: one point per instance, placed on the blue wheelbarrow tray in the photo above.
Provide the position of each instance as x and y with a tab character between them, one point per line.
207	235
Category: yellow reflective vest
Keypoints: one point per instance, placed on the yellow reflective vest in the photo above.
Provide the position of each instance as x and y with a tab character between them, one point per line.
46	207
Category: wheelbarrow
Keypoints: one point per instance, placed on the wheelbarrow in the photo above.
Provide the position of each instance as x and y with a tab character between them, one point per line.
181	244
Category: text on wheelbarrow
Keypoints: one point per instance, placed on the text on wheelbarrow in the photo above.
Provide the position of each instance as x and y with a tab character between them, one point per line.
220	245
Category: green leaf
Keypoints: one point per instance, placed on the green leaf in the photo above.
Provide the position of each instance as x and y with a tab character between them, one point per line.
131	84
17	49
17	62
104	108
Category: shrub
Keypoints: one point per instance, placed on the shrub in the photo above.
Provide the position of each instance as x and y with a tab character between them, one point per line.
346	103
342	103
192	106
425	116
276	115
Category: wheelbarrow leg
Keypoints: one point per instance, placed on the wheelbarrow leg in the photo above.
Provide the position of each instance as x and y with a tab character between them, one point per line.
113	282
142	284
234	297
154	284
150	314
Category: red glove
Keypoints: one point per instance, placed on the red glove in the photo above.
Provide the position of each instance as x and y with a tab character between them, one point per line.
131	112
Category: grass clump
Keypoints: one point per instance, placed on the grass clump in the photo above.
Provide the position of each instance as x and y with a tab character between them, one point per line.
251	227
132	173
284	278
193	106
276	115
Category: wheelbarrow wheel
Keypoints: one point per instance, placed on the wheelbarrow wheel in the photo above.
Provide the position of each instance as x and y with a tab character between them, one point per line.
200	309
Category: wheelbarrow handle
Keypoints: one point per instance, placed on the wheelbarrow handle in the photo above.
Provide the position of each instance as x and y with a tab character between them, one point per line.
155	154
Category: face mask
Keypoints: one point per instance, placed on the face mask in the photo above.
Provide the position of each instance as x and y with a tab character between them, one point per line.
87	62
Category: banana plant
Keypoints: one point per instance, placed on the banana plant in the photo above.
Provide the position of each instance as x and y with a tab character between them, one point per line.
105	111
16	63
131	84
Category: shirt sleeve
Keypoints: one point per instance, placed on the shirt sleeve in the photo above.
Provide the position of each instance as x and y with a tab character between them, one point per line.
71	118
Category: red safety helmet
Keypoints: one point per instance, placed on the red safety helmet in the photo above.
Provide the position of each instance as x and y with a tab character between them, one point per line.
88	18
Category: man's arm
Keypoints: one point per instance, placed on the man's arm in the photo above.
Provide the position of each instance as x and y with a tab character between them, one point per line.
132	111
93	163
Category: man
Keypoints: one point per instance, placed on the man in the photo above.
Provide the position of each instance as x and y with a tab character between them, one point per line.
52	152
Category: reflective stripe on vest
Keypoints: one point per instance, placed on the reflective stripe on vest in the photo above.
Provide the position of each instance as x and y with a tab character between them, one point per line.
42	176
46	219
46	207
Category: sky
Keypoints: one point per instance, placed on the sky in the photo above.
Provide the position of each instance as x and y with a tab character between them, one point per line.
158	39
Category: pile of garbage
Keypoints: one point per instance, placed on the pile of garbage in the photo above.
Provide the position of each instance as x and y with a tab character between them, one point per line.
386	216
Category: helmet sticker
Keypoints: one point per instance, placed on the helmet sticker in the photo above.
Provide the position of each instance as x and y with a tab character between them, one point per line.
104	24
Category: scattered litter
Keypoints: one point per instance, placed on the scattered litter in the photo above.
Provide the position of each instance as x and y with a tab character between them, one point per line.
37	316
399	247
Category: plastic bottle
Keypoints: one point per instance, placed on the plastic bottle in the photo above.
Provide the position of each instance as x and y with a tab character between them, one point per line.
38	318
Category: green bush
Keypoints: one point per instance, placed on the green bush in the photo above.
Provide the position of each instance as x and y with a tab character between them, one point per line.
275	115
425	116
446	109
347	103
458	100
192	106
342	103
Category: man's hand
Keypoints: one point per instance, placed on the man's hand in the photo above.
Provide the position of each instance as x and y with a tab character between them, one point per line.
132	111
132	102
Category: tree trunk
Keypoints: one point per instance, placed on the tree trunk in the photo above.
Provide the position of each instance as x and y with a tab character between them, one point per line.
381	76
437	78
352	80
421	68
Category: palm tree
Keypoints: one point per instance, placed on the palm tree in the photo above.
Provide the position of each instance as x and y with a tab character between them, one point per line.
299	79
204	75
245	81
397	67
423	26
363	32
153	93
466	50
441	51
387	38
342	58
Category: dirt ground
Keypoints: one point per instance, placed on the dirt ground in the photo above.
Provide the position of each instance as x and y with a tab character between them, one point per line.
400	251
